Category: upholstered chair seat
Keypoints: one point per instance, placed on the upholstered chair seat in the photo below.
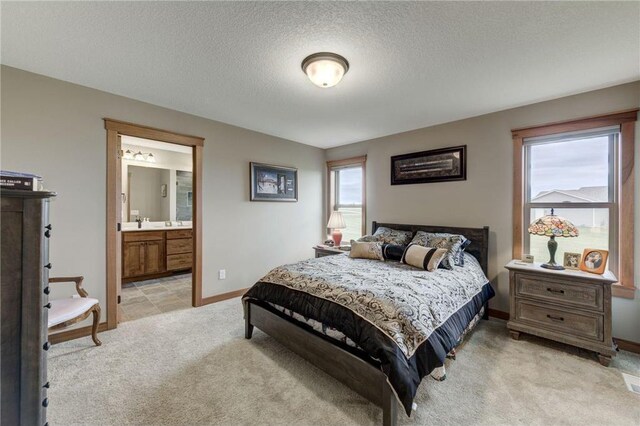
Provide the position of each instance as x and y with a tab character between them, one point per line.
66	312
63	310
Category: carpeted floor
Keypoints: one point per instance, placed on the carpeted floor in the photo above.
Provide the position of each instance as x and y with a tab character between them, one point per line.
194	367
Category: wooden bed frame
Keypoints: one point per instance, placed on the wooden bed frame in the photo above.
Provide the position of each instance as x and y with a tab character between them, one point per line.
358	374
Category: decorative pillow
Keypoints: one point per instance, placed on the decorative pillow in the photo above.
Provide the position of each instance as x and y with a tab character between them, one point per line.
389	236
455	245
427	258
366	250
392	251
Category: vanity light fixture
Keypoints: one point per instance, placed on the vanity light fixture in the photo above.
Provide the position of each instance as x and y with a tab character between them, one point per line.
128	155
151	158
138	156
325	69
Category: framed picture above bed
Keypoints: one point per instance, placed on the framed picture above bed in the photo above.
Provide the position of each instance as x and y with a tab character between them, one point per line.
437	165
273	183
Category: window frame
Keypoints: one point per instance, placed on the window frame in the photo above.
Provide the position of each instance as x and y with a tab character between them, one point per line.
623	181
332	188
612	182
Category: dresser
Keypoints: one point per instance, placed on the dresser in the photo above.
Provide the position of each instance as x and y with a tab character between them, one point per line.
568	306
23	321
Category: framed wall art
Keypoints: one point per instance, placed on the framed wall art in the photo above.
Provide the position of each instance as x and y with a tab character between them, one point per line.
437	165
273	183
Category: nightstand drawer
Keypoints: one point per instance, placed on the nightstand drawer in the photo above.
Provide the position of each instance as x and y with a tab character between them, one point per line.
564	292
585	325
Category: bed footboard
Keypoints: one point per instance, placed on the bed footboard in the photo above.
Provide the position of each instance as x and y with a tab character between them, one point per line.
352	371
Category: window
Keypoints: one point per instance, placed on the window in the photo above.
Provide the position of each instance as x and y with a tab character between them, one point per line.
574	174
581	169
347	194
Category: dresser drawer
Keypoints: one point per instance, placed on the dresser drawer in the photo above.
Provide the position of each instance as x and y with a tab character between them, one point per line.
559	291
579	324
181	233
179	261
182	245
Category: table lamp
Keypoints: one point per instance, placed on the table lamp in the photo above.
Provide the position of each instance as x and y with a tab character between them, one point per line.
336	223
553	226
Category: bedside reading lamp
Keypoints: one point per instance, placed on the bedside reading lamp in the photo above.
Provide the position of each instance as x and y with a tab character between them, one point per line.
336	223
553	226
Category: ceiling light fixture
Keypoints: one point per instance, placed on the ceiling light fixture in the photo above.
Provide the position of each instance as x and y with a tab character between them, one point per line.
325	69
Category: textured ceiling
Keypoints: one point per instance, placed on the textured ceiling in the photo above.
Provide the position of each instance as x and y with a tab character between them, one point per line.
413	64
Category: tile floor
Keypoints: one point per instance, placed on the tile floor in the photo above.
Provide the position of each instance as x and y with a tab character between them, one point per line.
145	298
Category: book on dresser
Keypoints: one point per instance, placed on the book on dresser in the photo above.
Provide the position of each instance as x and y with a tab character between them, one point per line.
20	181
568	306
24	273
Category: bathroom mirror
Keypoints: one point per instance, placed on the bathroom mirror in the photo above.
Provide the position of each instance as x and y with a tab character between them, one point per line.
158	194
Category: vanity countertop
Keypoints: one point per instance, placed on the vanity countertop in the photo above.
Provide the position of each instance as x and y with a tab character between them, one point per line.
156	228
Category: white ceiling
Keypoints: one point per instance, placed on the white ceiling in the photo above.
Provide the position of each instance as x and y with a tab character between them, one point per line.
413	64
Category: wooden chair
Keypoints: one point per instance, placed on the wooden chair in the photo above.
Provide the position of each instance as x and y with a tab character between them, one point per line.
66	312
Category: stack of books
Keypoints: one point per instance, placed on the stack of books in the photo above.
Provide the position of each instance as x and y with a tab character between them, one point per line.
20	181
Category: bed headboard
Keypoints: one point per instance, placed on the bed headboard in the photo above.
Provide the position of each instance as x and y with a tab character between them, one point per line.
479	237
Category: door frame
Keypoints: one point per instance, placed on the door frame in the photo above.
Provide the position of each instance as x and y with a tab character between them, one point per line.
116	129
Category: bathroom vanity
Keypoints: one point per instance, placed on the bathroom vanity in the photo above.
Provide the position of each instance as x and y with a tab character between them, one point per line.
154	253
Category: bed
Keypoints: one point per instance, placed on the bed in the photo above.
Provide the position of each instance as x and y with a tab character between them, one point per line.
378	327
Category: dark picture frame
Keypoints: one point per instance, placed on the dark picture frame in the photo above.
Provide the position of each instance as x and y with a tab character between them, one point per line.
436	165
273	183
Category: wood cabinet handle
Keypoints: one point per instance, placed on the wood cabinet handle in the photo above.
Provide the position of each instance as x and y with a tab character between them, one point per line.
551	317
551	290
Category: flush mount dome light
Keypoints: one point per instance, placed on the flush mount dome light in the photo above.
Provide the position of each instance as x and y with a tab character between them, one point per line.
325	69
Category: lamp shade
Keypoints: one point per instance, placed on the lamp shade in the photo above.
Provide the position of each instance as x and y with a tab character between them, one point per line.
336	221
553	226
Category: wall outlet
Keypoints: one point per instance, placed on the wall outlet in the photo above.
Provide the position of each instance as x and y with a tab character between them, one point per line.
222	274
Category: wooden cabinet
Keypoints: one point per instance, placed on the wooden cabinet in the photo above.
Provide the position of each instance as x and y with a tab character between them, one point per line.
572	307
23	323
149	254
132	259
154	257
143	253
179	250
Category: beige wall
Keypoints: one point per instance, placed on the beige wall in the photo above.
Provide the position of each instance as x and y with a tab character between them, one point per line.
485	197
55	129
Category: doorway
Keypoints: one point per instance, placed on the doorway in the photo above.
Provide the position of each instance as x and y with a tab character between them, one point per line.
154	253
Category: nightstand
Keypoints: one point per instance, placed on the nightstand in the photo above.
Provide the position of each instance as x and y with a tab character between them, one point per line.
322	251
569	306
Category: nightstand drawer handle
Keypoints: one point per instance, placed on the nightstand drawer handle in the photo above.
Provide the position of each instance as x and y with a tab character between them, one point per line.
551	290
555	318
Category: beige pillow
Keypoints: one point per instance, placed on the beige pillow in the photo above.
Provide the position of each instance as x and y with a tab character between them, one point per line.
366	250
427	258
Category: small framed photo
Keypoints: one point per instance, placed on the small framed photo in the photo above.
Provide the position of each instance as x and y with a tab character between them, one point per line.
273	183
594	260
572	260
